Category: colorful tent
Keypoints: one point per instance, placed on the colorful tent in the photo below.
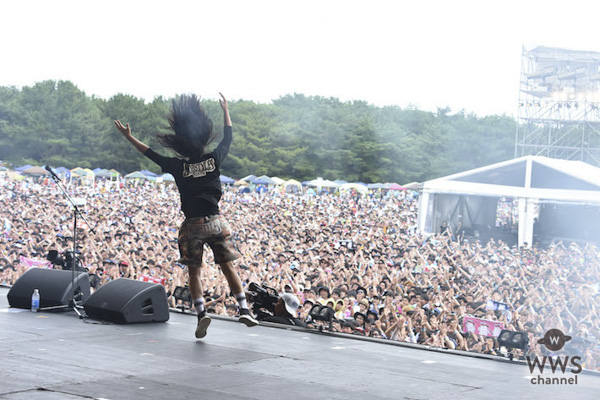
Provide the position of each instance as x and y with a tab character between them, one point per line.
79	172
354	186
395	186
35	171
167	178
321	183
23	168
413	185
148	173
136	175
377	186
249	178
278	181
292	186
227	180
263	180
15	176
66	172
104	173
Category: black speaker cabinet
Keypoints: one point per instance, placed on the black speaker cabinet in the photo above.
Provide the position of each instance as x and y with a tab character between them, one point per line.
54	285
125	301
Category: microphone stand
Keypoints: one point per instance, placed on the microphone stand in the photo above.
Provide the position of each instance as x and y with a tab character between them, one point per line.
72	302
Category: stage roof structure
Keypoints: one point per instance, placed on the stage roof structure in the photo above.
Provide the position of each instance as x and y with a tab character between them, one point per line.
559	104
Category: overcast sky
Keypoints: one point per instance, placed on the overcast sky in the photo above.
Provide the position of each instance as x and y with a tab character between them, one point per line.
460	54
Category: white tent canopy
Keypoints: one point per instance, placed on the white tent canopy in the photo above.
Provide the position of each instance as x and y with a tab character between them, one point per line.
356	186
320	182
533	180
278	181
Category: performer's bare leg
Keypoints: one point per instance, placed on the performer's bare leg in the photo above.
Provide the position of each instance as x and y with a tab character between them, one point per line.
235	284
198	298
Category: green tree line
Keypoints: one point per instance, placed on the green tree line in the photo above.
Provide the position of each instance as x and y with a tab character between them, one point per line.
295	136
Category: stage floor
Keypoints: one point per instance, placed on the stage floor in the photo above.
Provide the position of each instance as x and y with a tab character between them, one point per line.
58	356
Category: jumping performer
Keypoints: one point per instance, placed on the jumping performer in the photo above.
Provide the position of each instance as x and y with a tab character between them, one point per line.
197	177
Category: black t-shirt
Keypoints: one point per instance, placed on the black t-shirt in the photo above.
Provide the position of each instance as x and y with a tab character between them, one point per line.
197	179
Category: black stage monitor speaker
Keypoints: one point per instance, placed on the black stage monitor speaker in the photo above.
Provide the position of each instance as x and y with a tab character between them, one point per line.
513	339
54	286
125	301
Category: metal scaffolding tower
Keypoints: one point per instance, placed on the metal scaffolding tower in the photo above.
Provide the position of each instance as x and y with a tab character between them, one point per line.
559	105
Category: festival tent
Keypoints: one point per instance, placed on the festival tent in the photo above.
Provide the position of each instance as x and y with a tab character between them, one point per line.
79	172
340	182
413	186
241	183
148	173
563	195
321	183
249	178
394	186
359	188
86	174
23	168
292	186
14	175
263	180
136	175
377	186
165	178
292	182
104	173
227	180
35	171
101	173
66	172
278	181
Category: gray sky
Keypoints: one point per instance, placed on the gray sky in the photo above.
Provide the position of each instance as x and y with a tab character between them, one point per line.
461	54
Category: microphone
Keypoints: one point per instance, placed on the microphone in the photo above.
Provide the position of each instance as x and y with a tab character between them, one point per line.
47	168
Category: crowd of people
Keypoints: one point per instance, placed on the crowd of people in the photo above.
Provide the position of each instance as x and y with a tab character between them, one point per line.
360	255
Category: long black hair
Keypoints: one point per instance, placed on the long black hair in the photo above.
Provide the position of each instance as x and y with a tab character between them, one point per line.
192	127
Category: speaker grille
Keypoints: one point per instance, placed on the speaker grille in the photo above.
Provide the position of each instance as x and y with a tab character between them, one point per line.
126	301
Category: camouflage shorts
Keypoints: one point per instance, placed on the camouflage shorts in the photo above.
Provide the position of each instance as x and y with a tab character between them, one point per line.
212	230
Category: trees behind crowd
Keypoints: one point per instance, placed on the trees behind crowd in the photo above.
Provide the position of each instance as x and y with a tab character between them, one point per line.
295	136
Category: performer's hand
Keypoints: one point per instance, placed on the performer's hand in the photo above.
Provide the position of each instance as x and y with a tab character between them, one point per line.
125	130
223	102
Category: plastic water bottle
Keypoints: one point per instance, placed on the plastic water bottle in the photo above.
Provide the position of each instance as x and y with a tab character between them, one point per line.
35	300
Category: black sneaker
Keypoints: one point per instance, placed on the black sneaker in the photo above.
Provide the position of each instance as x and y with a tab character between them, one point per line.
246	318
203	323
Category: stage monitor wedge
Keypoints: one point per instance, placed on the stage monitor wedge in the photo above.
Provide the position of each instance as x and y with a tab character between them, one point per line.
125	301
55	287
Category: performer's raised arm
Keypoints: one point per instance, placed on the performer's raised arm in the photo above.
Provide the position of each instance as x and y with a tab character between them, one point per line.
225	107
126	131
222	149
